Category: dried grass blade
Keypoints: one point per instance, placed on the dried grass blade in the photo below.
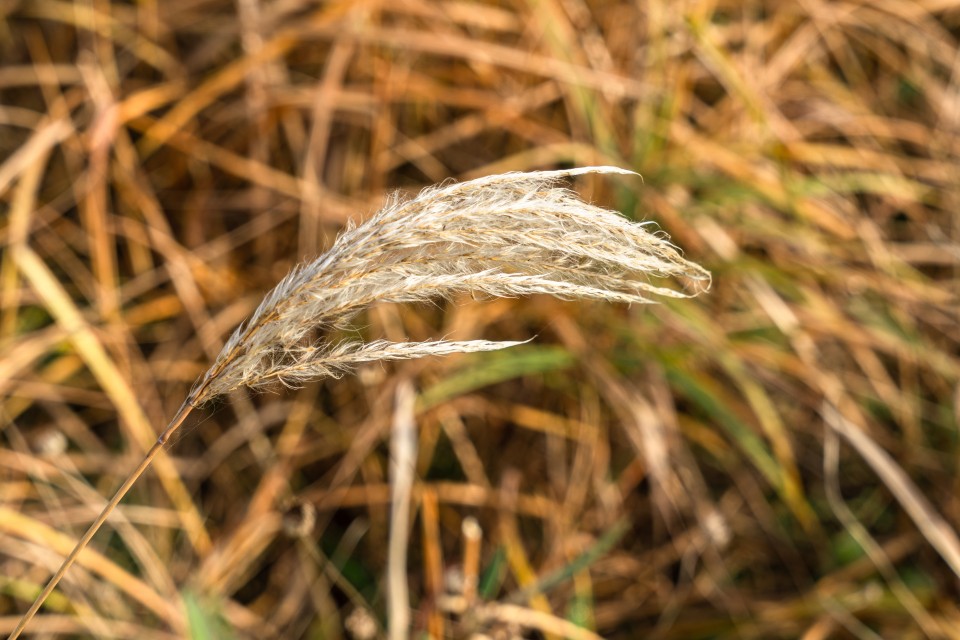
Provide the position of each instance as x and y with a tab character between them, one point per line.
502	235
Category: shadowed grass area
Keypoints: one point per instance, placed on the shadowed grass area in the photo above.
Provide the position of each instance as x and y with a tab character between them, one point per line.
783	450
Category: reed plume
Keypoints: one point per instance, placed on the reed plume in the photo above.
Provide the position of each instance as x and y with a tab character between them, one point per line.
504	235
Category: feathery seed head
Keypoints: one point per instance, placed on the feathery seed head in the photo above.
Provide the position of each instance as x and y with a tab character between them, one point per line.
504	235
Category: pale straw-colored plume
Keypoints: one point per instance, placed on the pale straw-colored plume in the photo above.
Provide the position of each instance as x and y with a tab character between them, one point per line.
505	235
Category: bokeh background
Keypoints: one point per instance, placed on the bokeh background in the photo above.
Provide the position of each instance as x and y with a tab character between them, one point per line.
777	458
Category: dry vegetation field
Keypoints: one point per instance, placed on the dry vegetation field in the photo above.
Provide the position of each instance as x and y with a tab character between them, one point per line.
776	458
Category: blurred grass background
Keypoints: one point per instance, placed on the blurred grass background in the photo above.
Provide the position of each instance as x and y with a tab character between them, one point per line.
661	472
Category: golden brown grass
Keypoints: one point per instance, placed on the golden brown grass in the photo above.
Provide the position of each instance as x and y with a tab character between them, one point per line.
504	235
162	165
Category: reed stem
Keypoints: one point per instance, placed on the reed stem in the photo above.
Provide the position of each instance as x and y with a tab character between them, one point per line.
157	447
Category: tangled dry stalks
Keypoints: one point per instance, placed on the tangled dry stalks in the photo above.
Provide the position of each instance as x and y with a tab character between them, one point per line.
503	235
